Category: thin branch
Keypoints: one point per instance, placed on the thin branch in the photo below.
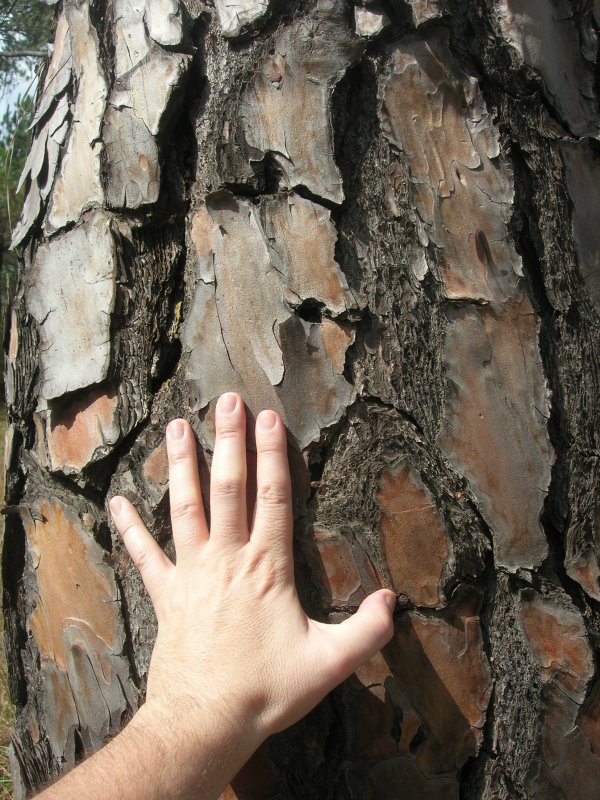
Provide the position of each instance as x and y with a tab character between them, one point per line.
25	54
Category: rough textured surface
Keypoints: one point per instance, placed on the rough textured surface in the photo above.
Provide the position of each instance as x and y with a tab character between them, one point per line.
135	178
415	542
145	78
415	734
583	185
498	394
286	112
71	296
242	334
78	184
546	37
236	17
559	646
369	21
137	106
301	240
77	631
387	232
55	610
79	433
463	197
341	568
452	696
436	115
51	124
425	10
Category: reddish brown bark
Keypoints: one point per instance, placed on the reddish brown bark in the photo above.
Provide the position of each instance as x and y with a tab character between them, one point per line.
380	220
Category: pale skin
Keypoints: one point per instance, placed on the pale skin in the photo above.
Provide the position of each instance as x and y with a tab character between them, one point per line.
236	658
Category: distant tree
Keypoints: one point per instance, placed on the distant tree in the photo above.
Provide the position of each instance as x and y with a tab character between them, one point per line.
25	26
15	139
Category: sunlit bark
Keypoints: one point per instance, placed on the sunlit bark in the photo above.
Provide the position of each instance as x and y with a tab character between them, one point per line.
382	221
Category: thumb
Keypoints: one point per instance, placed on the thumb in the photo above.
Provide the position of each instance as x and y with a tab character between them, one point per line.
362	635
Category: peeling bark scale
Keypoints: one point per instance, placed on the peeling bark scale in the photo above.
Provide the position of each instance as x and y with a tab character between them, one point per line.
379	219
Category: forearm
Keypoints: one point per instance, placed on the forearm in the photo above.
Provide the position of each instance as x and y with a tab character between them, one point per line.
159	757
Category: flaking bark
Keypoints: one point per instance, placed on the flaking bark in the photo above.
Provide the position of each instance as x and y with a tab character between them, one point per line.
381	220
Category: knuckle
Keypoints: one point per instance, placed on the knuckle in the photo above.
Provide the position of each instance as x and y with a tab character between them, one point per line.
269	445
267	578
227	486
381	631
382	627
175	603
225	431
127	527
179	455
272	494
184	509
265	572
141	559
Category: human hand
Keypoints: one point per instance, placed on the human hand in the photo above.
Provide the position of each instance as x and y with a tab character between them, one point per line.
232	635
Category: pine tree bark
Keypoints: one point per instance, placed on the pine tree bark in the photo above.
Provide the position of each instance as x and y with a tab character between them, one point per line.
382	221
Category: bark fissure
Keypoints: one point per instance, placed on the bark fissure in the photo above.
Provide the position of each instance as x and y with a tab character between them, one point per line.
378	220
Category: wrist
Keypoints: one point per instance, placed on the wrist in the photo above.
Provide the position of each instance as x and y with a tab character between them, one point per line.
189	737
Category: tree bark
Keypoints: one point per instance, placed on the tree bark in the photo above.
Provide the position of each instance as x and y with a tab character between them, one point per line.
380	220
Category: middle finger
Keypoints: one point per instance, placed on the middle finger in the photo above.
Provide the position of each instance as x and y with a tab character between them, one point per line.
229	521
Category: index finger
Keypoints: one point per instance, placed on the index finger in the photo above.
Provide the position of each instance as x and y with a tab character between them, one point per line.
187	511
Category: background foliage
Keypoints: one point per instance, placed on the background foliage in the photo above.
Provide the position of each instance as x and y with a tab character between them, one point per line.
14	145
25	28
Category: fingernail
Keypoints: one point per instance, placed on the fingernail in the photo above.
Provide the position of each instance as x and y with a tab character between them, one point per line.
266	420
227	403
116	506
390	601
175	430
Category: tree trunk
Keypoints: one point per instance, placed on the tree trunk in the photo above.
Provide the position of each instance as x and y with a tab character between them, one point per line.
381	221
